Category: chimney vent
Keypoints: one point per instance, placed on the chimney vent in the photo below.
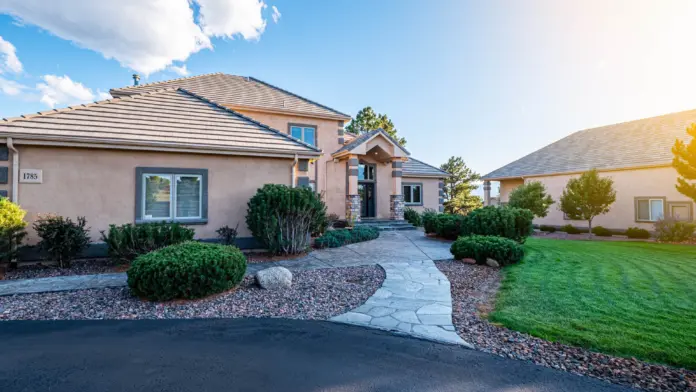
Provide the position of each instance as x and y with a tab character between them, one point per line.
136	79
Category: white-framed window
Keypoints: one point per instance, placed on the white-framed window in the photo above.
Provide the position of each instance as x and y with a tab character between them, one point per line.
649	209
307	134
166	194
413	194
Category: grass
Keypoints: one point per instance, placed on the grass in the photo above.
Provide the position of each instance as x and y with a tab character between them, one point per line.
621	298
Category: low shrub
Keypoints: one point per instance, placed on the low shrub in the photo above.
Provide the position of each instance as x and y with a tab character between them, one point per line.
127	242
61	238
429	220
636	232
413	217
227	235
12	231
570	229
601	231
449	226
186	270
333	221
548	229
509	222
479	247
340	237
672	230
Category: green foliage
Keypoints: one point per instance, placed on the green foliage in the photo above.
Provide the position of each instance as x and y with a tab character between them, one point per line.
61	238
283	218
458	187
12	231
533	197
186	270
636	232
429	218
548	229
341	237
570	229
601	231
587	196
449	226
413	217
509	222
227	235
684	162
367	120
126	242
672	230
481	247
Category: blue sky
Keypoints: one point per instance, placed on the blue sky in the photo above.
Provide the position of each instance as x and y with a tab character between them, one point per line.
489	81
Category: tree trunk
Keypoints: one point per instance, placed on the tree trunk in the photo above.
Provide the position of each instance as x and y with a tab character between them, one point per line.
589	234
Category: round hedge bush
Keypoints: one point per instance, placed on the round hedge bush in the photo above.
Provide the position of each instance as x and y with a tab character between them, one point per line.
481	247
187	270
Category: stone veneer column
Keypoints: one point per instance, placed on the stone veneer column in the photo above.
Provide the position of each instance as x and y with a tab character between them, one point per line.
396	200
352	196
441	200
486	193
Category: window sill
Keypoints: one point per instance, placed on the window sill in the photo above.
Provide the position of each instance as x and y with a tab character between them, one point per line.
413	204
179	221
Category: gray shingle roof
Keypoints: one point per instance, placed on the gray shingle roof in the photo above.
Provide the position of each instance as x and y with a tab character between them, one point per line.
638	143
166	118
238	90
416	168
365	137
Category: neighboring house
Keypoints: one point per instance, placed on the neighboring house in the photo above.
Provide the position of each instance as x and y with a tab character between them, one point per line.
195	150
636	155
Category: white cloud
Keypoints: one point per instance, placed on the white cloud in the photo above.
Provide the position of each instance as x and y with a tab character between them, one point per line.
8	57
61	90
102	96
11	87
144	35
183	71
227	18
276	14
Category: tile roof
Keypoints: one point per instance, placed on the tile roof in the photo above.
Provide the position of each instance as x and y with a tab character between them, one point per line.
164	118
639	143
416	168
232	90
360	139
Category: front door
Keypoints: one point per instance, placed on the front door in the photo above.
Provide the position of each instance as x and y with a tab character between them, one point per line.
366	190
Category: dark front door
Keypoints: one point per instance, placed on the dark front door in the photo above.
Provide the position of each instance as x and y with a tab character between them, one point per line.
367	199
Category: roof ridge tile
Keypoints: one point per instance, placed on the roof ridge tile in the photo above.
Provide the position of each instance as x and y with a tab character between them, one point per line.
163	81
298	96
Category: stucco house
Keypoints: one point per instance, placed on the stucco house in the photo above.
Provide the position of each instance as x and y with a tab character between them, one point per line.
636	155
195	150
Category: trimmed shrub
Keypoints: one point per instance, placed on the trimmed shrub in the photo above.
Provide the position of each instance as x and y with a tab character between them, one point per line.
672	230
283	218
61	238
570	229
636	232
509	222
601	231
126	242
12	231
449	226
413	217
340	237
429	219
548	229
227	235
187	270
479	247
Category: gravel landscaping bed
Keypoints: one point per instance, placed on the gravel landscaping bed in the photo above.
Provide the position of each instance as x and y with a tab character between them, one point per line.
77	267
317	294
473	290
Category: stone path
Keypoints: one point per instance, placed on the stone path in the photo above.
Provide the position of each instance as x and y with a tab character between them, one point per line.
414	300
62	283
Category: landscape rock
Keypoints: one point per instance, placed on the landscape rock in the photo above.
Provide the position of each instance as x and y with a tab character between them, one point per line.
274	278
492	263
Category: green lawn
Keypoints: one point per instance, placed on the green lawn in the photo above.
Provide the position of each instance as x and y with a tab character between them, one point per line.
621	298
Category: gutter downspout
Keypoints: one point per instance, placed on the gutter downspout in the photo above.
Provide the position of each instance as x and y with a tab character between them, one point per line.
292	169
15	171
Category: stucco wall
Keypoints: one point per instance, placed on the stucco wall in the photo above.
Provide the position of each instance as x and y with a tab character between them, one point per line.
656	182
100	184
506	187
431	192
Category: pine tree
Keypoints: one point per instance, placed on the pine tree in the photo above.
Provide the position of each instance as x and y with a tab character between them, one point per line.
685	163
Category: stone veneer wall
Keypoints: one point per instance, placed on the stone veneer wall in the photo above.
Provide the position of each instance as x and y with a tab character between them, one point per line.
396	207
353	208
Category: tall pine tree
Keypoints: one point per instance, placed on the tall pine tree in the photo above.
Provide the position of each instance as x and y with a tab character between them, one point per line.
367	120
685	162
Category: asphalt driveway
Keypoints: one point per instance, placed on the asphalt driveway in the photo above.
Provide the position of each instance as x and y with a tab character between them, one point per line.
253	355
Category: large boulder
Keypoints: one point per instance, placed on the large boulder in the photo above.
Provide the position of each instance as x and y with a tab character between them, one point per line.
274	278
492	263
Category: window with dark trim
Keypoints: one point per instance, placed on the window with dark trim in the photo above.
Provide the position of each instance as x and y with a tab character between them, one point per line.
680	210
649	209
367	172
306	133
171	194
413	194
